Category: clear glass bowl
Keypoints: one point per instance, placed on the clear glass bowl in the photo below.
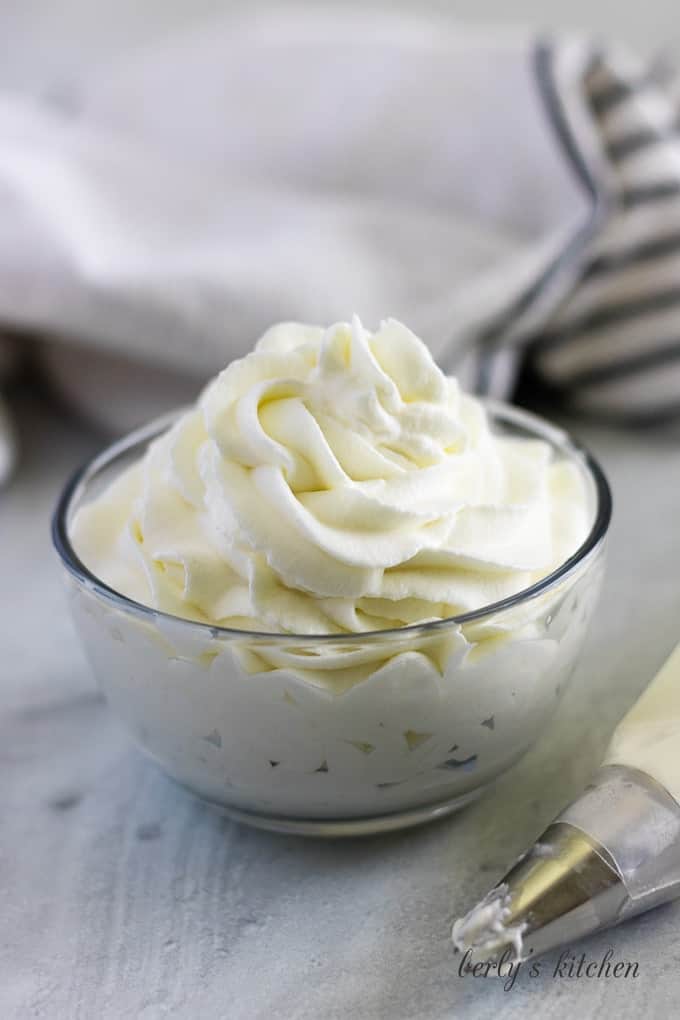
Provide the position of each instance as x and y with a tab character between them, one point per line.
331	735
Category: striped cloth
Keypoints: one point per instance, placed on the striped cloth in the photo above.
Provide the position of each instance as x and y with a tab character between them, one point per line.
610	345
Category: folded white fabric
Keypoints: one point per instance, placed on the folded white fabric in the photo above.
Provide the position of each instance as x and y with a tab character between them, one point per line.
516	202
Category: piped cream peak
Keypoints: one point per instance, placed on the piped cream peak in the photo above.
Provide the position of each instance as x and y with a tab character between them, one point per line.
333	480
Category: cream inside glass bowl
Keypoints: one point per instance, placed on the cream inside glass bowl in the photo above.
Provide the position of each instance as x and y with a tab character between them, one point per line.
338	595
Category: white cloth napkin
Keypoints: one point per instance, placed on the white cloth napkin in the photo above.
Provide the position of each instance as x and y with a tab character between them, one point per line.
516	202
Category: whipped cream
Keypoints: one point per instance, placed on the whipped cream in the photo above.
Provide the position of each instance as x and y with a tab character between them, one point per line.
485	930
333	481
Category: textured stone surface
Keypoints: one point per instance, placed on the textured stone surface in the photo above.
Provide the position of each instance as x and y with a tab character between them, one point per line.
122	896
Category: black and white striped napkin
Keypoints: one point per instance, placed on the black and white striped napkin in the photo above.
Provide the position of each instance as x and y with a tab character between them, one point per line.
610	345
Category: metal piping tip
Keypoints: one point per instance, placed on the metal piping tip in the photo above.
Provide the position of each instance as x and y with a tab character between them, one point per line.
613	853
561	889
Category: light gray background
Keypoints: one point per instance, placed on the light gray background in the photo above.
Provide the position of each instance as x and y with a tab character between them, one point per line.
39	46
121	896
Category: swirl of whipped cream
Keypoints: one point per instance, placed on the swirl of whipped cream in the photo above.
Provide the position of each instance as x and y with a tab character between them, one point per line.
332	481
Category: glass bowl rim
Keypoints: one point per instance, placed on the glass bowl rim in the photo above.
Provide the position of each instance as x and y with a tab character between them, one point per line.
498	410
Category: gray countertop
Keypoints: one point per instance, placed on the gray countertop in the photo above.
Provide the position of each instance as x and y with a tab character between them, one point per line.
122	896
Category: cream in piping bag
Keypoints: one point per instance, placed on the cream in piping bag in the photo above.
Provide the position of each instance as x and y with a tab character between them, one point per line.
648	738
614	852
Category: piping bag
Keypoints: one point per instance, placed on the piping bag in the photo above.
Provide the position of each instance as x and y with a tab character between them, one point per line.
613	853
